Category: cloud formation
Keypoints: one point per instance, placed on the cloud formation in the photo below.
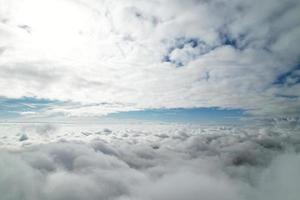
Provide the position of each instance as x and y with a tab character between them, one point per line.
110	56
149	161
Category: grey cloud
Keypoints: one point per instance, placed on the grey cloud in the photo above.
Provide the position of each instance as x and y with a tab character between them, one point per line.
23	137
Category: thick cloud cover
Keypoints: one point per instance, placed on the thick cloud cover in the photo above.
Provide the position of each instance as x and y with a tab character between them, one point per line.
110	56
88	58
149	161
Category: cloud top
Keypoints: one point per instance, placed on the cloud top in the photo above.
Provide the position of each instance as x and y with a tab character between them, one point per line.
149	161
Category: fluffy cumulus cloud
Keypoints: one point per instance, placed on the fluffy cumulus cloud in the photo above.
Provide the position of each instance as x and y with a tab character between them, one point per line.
110	56
149	161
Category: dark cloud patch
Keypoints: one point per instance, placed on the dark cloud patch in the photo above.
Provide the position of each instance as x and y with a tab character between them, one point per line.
289	78
2	50
23	138
27	28
239	42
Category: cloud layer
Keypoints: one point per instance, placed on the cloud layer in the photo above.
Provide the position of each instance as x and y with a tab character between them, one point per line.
149	161
110	56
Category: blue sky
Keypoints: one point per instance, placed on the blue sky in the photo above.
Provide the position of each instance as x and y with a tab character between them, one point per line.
192	115
11	109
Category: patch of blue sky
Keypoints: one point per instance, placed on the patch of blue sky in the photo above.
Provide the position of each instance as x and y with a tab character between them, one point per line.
192	115
10	108
289	78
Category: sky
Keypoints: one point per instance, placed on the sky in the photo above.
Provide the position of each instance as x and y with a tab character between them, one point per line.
149	99
97	58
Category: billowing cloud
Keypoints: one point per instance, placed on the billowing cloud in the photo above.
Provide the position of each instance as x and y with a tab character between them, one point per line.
149	161
111	56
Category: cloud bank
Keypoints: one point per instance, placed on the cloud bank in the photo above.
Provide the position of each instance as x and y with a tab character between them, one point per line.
149	161
110	56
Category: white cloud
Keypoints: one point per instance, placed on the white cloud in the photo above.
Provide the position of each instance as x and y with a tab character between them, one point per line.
125	53
188	162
